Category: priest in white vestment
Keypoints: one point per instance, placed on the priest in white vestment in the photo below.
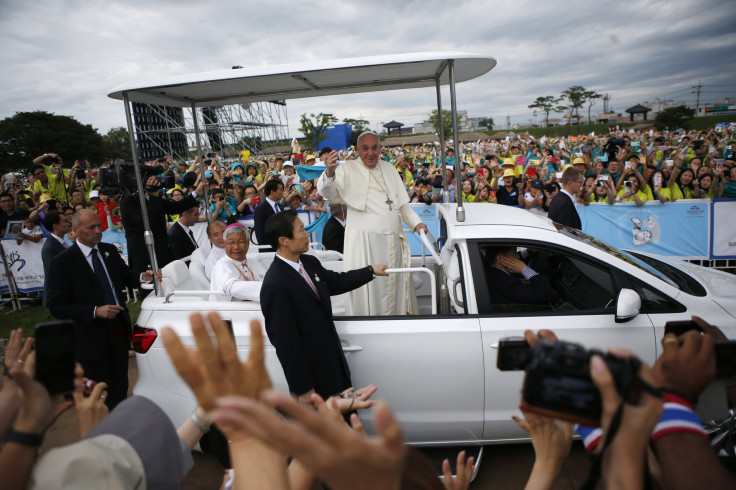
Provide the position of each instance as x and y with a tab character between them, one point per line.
378	203
232	274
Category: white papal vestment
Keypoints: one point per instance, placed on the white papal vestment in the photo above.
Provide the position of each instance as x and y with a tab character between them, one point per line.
374	234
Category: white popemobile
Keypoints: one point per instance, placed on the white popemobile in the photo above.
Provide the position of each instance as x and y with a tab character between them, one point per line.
438	369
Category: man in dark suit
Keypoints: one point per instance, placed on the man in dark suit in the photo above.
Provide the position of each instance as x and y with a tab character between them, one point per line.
54	244
181	239
333	235
511	281
86	285
562	209
274	191
157	208
295	300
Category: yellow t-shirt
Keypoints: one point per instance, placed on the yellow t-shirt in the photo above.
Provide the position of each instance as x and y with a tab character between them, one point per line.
56	187
677	193
642	195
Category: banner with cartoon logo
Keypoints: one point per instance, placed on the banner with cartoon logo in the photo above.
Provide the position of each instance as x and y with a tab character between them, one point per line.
25	264
679	229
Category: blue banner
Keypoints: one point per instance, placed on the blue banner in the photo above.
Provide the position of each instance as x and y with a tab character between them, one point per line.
676	229
428	215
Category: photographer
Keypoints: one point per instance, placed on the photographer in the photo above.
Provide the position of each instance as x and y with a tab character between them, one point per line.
157	208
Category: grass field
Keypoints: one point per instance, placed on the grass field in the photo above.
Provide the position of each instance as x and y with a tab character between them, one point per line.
33	313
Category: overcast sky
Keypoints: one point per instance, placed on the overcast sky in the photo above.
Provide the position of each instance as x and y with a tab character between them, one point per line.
64	56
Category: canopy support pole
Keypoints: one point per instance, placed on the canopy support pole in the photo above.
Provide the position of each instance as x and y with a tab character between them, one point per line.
460	212
445	197
201	166
147	235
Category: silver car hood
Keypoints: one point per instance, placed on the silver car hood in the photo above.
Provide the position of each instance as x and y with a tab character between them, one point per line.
721	286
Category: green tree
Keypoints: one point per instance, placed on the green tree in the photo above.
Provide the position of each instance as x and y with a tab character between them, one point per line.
486	122
26	135
116	145
675	117
359	126
575	96
446	122
546	104
314	128
590	98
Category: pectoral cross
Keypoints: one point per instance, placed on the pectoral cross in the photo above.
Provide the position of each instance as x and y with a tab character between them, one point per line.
389	202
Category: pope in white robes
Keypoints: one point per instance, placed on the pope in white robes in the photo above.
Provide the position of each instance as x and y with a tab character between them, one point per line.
378	204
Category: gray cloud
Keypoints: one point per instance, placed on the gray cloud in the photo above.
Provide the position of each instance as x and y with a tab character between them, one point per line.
64	56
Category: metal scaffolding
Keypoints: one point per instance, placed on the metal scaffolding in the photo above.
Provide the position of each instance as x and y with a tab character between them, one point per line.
226	129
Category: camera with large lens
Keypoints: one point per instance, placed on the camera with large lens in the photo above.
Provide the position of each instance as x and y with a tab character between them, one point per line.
558	383
120	176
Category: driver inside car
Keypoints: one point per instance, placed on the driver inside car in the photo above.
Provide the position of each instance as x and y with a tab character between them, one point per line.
511	281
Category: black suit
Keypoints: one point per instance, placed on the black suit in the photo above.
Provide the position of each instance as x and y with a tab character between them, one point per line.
158	209
300	326
507	288
51	248
180	242
562	211
333	236
260	216
74	292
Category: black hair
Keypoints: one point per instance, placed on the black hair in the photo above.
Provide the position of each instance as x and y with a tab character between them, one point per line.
6	194
50	219
280	224
272	186
492	252
325	150
36	167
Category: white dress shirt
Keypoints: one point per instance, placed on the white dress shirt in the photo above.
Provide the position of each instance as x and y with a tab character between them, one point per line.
87	252
216	253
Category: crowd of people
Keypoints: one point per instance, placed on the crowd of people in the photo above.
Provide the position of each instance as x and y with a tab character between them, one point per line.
521	171
652	439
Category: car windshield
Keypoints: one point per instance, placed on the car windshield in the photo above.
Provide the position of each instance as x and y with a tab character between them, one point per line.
619	254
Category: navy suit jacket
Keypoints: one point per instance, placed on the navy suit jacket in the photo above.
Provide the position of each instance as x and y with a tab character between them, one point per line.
260	216
508	289
299	324
51	248
562	211
179	242
74	292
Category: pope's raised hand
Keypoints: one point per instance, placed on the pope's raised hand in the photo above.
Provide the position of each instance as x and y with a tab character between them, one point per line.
331	163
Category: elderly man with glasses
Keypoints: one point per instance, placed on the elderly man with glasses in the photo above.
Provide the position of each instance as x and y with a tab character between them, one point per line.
232	274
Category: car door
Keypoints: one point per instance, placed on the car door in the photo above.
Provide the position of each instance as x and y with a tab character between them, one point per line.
429	368
590	322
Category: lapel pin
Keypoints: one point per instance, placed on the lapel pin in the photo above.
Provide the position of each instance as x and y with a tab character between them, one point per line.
107	255
316	277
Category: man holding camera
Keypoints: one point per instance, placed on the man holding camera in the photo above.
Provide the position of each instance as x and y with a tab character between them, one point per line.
51	179
157	208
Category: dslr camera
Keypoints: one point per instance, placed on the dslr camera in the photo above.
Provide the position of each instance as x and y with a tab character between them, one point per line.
558	383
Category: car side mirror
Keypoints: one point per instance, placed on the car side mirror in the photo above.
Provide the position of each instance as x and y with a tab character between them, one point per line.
628	305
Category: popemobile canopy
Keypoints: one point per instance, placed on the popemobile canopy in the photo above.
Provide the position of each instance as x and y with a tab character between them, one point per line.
305	79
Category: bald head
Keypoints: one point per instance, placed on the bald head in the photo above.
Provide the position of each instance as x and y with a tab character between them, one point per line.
86	225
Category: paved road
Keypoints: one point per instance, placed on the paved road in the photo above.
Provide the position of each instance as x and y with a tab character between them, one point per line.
503	467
